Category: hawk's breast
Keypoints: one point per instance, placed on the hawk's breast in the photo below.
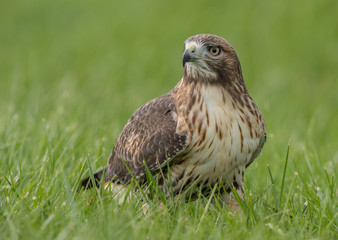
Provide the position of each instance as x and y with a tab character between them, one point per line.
223	138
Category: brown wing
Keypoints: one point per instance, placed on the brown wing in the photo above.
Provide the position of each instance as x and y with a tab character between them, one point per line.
150	135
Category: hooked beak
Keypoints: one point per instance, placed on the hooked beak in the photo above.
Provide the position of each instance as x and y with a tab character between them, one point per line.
188	56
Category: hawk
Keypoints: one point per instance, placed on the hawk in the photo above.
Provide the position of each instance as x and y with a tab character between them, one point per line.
206	130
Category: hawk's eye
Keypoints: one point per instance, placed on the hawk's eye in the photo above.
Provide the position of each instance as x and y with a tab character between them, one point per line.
215	50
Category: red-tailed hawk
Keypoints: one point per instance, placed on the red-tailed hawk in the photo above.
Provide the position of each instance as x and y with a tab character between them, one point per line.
207	129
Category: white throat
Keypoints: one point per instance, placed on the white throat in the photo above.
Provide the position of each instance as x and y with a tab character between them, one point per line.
199	69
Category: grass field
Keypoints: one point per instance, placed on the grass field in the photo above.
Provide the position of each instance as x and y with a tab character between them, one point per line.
73	72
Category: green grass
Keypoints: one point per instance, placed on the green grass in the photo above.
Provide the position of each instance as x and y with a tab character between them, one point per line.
73	72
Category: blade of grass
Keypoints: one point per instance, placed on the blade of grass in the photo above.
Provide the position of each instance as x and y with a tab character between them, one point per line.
91	174
291	190
207	206
79	177
70	198
284	173
237	197
154	184
330	183
49	148
170	191
136	182
274	189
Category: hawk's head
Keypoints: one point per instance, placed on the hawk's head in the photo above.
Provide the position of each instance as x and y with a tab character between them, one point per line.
210	58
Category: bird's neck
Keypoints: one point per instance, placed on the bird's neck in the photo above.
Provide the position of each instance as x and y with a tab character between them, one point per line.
231	81
225	78
189	91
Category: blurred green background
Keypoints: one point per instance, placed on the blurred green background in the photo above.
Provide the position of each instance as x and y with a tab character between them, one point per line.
73	72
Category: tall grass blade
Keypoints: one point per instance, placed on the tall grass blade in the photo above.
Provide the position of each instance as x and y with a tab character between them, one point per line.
49	148
274	189
284	173
153	184
207	205
291	190
91	173
135	180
